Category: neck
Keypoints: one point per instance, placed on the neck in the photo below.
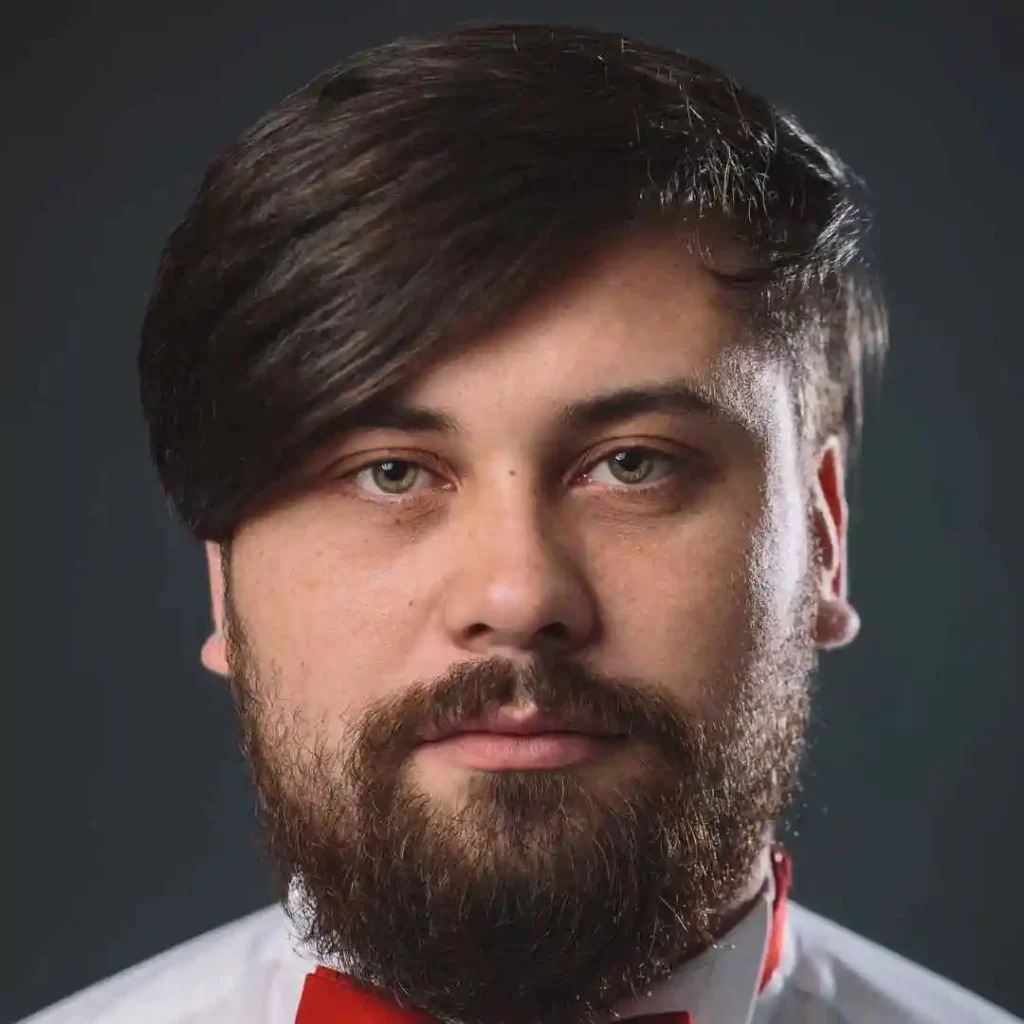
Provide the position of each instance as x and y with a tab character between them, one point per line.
748	894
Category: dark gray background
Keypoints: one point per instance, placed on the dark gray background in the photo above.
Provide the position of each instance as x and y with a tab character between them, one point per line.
129	822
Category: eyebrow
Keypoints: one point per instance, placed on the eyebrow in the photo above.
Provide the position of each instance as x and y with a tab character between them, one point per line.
680	396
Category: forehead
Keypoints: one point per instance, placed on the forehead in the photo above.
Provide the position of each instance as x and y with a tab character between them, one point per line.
636	316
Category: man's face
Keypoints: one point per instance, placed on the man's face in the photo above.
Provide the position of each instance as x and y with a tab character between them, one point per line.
648	575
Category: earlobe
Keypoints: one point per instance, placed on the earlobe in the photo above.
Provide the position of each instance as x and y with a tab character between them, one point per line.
213	653
837	622
837	625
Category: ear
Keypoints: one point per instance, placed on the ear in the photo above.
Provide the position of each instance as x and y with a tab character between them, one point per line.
214	650
838	622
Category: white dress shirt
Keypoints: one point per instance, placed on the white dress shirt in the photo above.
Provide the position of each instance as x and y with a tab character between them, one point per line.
252	972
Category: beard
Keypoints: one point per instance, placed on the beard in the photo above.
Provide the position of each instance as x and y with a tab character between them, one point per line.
546	895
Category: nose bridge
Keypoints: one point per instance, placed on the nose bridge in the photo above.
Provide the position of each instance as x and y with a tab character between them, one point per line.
515	582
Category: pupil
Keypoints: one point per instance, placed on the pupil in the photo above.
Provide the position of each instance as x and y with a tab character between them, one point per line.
393	474
630	461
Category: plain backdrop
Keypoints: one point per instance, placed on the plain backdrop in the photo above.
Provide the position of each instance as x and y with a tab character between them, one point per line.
128	815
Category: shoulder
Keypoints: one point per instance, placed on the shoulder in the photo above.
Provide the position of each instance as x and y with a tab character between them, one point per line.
854	979
243	971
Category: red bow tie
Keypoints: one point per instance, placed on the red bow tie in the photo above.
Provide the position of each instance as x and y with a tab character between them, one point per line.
329	997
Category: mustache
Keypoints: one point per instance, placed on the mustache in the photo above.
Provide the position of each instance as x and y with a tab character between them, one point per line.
558	688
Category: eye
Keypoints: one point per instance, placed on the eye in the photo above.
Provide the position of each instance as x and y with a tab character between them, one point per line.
636	469
393	477
632	466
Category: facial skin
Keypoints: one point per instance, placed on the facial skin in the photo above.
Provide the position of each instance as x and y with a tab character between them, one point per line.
679	598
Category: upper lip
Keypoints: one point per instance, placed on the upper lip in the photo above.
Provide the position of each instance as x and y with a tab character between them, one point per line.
516	722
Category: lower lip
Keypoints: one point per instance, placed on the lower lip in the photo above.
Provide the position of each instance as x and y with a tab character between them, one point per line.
493	751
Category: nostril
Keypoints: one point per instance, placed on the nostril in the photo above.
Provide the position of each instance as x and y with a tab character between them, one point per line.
555	631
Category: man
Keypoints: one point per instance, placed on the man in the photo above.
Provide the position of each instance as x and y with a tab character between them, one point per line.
511	378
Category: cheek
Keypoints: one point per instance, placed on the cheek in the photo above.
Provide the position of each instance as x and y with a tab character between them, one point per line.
679	608
686	606
329	629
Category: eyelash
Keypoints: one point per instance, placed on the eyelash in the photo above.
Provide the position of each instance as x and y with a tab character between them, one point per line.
678	464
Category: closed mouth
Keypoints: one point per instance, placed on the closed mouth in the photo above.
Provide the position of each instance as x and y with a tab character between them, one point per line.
519	724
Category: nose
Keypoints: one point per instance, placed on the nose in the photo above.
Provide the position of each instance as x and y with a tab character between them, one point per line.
515	585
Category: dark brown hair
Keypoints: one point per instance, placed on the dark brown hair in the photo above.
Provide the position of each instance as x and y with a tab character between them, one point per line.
404	200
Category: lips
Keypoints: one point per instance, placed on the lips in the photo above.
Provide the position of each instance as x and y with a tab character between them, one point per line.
519	722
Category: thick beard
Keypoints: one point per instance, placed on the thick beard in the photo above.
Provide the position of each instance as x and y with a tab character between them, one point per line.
543	897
